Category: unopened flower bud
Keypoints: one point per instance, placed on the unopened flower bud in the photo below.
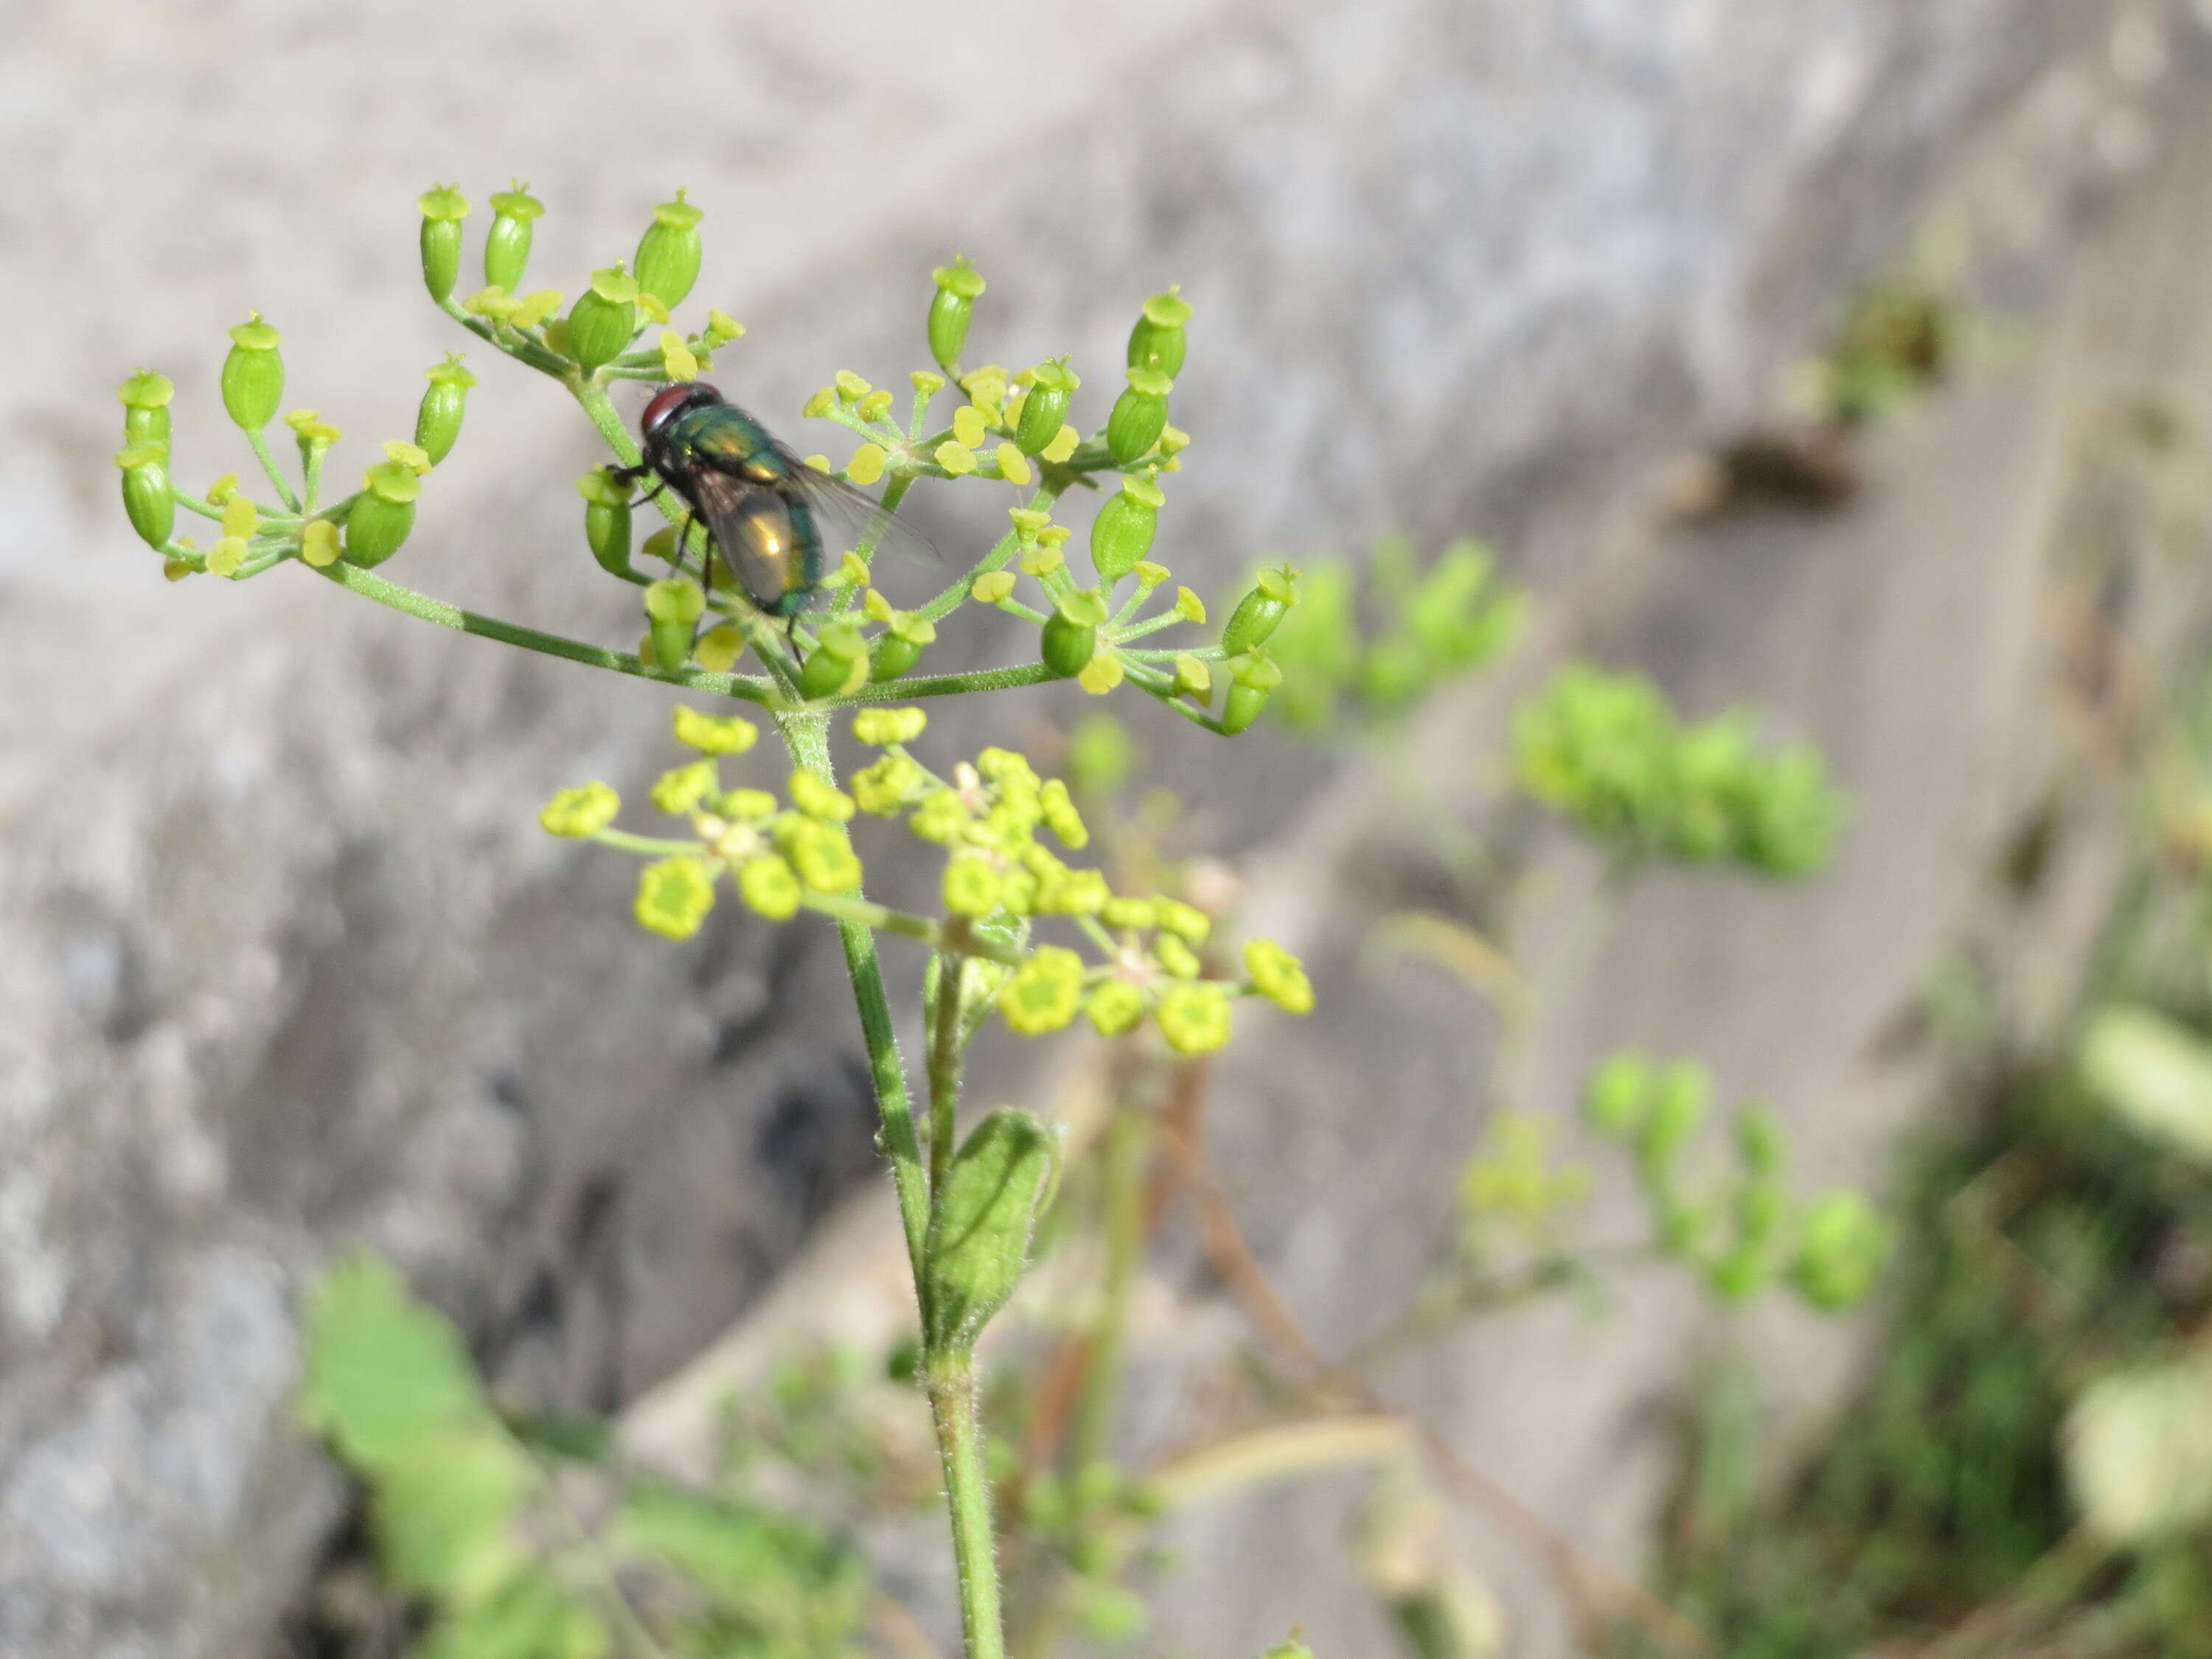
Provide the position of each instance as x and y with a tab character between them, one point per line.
381	516
145	397
443	207
668	253
507	245
1071	633
607	520
1044	411
1259	610
959	286
1122	533
1157	341
603	318
252	374
1252	680
149	498
438	420
673	606
1140	415
839	664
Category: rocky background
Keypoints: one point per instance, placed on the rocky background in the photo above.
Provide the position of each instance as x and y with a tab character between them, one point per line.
290	965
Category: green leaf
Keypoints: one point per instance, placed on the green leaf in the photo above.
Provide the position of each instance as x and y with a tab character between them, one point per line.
384	1373
530	1617
979	1233
2154	1073
780	1578
445	1513
2138	1450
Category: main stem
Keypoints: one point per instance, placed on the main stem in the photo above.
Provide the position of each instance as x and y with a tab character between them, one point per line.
948	1376
951	1380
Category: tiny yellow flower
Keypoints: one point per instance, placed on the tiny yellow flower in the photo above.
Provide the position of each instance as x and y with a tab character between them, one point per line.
681	788
955	459
719	648
584	811
971	886
968	426
866	465
819	800
1063	445
1013	465
991	586
882	726
674	895
1044	993
713	735
767	885
1101	674
1194	1017
1279	976
1115	1007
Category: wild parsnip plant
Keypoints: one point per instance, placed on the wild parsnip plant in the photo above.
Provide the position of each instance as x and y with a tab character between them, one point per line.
1020	933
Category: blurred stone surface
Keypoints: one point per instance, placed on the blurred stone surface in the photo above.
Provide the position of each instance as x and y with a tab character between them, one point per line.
290	964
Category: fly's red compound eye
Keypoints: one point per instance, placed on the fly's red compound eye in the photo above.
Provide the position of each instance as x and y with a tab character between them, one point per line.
669	399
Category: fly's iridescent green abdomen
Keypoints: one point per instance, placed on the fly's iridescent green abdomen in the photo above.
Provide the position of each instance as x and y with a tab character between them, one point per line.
762	505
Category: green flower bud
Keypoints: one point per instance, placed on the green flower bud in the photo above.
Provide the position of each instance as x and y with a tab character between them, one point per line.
823	857
1140	415
1252	679
584	811
959	286
607	520
1194	1017
674	895
899	647
839	664
149	498
1122	533
1618	1095
507	245
1045	409
1071	633
438	421
443	207
1114	1007
381	516
673	606
145	397
1259	612
604	320
668	253
252	374
1157	341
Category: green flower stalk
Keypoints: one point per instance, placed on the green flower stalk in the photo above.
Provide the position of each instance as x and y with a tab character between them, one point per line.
1140	415
443	207
252	374
667	264
381	514
959	285
507	245
1157	341
438	420
604	320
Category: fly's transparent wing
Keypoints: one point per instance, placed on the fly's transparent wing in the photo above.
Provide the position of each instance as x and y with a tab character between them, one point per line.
852	520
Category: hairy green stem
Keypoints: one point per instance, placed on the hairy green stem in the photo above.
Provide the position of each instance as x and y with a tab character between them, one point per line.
951	1380
944	1057
408	601
260	447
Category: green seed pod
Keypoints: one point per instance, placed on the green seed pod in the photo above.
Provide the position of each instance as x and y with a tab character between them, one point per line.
667	262
604	318
1044	411
1252	679
1071	633
1157	341
443	207
839	664
253	375
1259	610
507	245
1140	415
438	421
1681	1093
673	606
381	516
898	648
959	286
1122	533
1618	1095
149	498
607	520
145	397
